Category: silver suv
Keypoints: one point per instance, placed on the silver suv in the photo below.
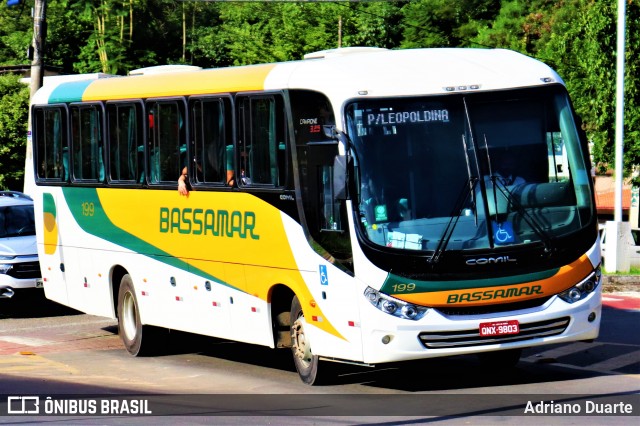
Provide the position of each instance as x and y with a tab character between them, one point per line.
19	266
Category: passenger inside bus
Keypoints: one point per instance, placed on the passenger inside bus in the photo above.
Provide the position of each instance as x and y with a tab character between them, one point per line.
506	170
209	171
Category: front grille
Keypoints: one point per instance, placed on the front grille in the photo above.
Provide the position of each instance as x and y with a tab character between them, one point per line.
25	270
492	309
458	339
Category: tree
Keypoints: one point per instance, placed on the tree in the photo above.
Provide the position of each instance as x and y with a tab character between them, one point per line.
15	34
583	48
443	23
519	25
14	105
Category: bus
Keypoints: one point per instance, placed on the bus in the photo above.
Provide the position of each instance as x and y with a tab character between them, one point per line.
350	206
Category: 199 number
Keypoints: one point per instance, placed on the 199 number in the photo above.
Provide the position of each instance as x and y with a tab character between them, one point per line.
400	288
88	209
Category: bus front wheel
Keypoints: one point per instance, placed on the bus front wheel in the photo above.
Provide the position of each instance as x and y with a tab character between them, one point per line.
305	361
138	339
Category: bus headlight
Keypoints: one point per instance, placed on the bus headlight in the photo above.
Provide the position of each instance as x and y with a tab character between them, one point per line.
580	291
393	306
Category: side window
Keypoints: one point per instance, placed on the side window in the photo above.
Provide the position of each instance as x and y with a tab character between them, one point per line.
325	216
87	142
126	149
50	139
167	140
211	135
261	142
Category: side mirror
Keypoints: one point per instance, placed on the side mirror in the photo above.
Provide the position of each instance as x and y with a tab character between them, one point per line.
340	177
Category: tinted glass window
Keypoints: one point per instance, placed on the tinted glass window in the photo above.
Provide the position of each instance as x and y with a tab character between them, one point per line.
50	137
16	221
87	142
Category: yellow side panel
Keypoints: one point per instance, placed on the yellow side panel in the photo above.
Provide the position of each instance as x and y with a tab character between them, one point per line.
220	80
167	221
251	262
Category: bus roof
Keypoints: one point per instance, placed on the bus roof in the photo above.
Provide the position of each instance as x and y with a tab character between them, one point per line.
339	74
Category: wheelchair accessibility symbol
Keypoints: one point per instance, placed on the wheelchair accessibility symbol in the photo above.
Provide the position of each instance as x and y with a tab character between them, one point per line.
324	278
503	233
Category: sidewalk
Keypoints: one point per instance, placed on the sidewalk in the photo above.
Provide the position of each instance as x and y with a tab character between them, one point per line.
620	283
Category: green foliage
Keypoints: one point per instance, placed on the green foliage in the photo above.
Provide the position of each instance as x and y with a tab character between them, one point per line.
14	105
583	46
444	23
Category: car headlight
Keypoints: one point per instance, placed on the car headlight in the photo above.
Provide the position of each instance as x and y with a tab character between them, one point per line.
581	290
5	267
392	306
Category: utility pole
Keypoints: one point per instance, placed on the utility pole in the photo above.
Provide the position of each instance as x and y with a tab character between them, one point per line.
36	81
39	37
617	259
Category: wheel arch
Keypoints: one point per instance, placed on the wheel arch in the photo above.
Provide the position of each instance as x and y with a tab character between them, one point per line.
280	297
117	272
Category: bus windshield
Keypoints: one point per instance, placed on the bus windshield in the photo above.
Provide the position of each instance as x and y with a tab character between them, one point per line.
469	170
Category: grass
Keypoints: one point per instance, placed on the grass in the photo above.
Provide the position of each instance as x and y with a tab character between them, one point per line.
632	271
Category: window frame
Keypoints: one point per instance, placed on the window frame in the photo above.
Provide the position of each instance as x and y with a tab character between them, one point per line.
244	126
36	135
101	156
141	171
150	141
227	104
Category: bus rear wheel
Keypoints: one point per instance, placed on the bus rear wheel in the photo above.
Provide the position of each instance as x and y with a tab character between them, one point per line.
305	361
138	339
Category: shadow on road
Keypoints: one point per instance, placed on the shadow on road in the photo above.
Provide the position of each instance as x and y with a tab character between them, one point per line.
457	372
31	303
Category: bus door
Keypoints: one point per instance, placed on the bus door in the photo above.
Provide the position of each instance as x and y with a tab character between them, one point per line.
51	165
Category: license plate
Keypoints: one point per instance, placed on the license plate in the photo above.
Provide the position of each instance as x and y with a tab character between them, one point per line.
499	328
39	284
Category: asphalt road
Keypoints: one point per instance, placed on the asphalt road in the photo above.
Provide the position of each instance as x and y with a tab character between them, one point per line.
46	349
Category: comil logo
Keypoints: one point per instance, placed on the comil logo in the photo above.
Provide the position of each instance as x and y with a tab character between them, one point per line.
23	405
489	260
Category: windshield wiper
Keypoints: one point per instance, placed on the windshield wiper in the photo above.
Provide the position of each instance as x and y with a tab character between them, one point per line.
455	214
468	189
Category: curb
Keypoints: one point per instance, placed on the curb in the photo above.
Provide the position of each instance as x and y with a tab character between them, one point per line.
620	283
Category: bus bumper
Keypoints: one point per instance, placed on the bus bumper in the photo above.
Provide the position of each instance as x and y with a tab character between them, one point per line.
439	335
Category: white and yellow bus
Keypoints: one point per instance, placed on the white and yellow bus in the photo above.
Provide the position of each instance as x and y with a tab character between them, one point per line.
358	205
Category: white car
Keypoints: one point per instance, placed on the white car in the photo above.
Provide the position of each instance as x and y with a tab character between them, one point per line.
19	266
633	245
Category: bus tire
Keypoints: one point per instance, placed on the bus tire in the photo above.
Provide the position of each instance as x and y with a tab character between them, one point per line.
305	361
138	339
500	360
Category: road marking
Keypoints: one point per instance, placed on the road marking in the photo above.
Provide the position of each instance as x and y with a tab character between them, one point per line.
563	351
20	363
27	341
617	362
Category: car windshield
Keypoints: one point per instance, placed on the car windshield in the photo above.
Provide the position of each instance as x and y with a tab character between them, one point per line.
17	221
469	171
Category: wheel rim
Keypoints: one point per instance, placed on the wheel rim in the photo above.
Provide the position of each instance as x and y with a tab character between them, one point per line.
300	343
129	325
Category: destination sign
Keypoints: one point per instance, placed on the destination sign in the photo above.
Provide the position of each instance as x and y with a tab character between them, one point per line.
384	118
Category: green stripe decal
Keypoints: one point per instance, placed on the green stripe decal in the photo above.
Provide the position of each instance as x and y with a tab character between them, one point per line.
69	92
433	286
97	223
48	204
